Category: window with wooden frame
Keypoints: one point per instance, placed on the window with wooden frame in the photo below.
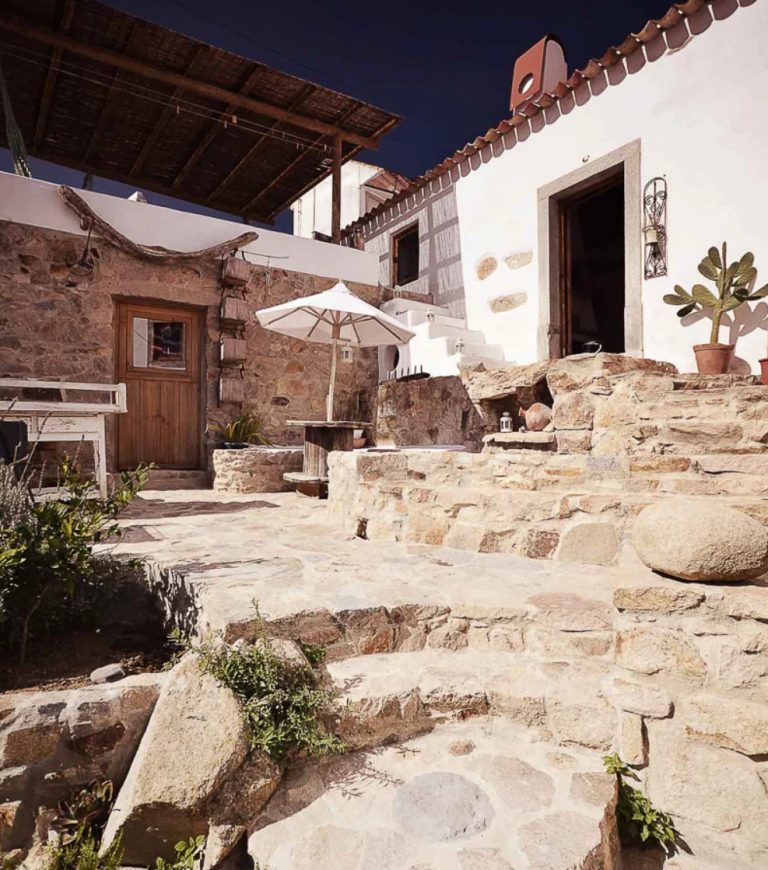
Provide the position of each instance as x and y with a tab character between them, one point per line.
405	256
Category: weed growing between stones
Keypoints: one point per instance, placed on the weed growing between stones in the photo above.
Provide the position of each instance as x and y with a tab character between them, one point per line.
314	653
283	705
79	826
47	555
640	823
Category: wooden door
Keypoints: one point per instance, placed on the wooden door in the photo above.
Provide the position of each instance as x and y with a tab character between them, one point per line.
159	359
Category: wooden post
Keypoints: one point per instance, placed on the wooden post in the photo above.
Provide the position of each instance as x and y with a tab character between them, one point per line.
336	192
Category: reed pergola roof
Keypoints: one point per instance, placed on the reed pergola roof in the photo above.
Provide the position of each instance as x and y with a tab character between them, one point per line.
103	92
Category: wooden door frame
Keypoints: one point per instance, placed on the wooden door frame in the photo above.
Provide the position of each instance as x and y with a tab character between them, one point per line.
553	325
153	304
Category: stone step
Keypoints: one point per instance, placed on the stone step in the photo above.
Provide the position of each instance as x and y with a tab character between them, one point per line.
440	329
478	794
393	696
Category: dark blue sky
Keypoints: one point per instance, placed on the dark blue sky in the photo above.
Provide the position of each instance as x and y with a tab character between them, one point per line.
445	67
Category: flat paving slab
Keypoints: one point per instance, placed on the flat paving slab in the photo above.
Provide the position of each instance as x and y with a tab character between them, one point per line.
478	795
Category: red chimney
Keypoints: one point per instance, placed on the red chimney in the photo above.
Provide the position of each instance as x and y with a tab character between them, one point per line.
537	71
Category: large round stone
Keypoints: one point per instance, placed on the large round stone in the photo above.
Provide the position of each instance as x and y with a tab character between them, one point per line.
442	806
700	540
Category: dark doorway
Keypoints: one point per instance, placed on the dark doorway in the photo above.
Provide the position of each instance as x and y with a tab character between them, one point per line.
592	269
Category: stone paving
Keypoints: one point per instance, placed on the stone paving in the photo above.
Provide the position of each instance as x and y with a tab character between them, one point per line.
527	659
471	796
283	551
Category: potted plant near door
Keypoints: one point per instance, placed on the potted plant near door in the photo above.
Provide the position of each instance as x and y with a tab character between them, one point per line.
243	432
733	285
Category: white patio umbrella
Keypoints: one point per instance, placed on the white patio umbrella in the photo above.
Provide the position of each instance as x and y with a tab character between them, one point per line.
334	317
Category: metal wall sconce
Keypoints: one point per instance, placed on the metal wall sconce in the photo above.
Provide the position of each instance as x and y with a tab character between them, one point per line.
655	227
346	354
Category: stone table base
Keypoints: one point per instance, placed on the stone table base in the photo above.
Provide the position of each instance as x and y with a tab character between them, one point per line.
255	469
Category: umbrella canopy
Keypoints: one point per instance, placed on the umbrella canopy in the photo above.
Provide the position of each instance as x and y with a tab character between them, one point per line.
335	314
334	317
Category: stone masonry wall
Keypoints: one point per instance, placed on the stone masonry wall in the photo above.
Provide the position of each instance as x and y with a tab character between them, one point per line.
255	469
426	412
57	324
621	440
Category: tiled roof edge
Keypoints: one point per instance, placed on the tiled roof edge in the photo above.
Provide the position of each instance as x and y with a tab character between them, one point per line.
653	28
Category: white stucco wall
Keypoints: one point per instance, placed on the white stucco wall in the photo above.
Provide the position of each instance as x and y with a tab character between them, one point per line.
312	211
38	203
698	109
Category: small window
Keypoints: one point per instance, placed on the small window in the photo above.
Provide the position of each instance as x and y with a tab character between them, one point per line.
158	344
405	256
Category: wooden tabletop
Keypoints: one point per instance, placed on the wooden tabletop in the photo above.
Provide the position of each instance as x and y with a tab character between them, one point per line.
330	424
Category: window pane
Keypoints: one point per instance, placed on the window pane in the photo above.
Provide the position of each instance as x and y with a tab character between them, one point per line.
158	344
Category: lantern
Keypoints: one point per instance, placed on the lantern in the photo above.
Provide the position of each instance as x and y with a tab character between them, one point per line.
505	423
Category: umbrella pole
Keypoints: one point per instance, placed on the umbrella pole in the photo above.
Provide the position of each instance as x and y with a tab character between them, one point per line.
329	404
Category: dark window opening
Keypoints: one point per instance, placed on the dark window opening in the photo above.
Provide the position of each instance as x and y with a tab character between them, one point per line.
405	256
594	270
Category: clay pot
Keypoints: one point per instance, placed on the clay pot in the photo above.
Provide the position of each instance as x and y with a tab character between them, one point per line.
537	417
764	371
713	359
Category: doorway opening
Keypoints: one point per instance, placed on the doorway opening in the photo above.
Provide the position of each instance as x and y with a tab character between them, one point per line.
592	267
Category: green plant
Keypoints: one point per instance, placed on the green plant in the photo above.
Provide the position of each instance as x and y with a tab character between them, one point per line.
246	429
79	823
314	653
189	855
282	703
47	554
733	288
639	821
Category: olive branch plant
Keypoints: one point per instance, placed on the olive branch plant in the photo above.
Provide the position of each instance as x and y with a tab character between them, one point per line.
733	285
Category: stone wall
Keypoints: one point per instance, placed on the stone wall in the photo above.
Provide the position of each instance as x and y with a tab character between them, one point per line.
58	324
426	412
255	469
624	433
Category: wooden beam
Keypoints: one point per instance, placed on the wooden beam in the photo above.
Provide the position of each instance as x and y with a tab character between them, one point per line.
67	14
167	113
336	192
64	160
244	161
129	64
213	131
340	120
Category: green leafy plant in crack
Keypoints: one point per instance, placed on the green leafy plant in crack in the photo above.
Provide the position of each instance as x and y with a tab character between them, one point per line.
733	284
638	820
189	855
314	653
283	705
79	824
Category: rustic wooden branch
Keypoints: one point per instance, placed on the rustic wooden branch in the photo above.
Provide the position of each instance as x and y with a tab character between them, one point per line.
151	252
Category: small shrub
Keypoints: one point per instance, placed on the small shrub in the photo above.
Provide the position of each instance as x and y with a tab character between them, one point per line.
47	551
282	703
639	821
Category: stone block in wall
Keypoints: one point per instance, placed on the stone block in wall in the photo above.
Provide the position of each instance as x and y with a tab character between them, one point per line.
235	271
255	469
595	370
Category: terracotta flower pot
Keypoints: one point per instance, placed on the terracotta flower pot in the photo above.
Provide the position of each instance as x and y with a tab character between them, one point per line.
713	359
764	371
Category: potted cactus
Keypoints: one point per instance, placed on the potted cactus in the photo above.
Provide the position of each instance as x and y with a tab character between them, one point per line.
733	289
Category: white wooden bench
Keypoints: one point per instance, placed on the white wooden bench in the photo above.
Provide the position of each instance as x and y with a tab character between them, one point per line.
64	420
